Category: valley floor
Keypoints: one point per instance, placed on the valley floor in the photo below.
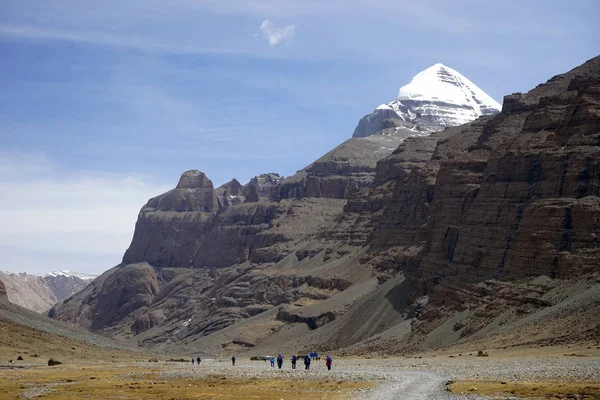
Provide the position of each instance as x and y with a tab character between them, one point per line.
530	376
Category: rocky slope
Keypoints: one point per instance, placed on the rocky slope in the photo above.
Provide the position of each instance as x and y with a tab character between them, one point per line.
481	232
40	293
36	338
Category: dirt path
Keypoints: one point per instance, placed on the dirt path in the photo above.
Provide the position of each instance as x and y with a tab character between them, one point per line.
411	385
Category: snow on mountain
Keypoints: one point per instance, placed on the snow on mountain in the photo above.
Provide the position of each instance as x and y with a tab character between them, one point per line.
441	83
40	293
435	98
68	273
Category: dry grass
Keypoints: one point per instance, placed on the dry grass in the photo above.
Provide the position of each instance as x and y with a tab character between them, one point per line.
128	381
529	390
21	340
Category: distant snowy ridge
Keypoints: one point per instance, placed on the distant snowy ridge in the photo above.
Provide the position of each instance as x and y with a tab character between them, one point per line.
435	98
39	293
69	273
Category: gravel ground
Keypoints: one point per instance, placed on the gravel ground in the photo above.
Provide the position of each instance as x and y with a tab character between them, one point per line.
409	379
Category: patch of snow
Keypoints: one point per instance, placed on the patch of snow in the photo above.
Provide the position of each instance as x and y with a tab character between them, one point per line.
439	83
384	107
68	273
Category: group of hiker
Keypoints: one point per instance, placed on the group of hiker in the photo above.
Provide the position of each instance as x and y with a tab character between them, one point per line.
307	360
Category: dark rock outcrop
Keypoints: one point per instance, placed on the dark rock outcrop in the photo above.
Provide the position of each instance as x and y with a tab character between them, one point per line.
3	294
252	195
231	192
265	184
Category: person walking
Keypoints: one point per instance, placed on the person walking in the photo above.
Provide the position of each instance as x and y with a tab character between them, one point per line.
328	362
198	360
294	361
272	362
279	361
192	360
307	362
233	360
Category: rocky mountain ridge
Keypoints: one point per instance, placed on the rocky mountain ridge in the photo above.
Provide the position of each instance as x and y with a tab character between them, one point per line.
480	231
40	293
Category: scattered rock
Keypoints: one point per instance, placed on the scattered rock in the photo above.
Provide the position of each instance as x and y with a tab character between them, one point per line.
19	358
52	362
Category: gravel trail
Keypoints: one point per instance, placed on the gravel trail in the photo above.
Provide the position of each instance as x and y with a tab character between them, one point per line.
402	378
410	385
392	381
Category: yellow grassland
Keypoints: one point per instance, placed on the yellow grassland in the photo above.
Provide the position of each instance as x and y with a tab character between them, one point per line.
131	381
527	390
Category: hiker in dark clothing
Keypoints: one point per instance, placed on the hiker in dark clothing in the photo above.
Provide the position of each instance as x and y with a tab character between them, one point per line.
192	360
279	361
198	360
328	362
294	361
233	360
307	362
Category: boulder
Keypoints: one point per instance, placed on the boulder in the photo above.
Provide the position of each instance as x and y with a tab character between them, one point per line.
52	362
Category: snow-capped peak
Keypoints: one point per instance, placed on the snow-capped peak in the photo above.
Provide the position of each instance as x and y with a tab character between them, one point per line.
444	84
69	273
436	98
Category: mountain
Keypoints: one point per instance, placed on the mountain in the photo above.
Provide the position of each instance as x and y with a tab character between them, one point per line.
37	338
482	234
40	293
435	98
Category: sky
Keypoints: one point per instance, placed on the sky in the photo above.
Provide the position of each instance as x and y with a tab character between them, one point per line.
104	104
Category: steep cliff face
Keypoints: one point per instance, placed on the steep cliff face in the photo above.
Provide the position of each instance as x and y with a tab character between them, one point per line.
171	227
509	198
534	189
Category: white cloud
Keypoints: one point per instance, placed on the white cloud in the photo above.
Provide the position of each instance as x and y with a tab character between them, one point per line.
275	35
78	217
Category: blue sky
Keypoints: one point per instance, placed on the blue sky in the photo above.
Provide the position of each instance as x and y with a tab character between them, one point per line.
104	104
